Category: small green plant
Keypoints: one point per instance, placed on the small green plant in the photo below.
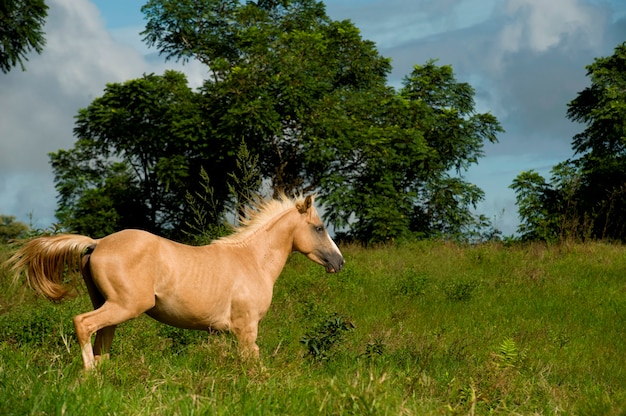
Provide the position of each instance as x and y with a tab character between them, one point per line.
375	347
509	354
35	326
208	221
244	184
320	339
468	395
181	338
411	283
460	291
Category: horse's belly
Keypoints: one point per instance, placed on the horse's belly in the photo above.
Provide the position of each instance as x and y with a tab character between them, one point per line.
188	319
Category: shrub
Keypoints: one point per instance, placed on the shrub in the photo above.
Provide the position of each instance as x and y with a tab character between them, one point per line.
459	291
180	338
320	339
411	283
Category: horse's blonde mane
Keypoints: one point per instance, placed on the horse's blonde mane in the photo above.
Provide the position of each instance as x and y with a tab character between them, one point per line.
257	214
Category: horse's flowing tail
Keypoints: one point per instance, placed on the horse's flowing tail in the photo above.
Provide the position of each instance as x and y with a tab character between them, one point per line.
51	263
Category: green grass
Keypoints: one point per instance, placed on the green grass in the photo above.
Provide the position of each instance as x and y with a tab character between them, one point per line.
423	328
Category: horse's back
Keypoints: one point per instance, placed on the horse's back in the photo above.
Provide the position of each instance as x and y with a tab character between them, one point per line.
125	246
128	260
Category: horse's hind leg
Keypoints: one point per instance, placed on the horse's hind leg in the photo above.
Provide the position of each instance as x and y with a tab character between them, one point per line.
102	345
104	318
104	337
88	323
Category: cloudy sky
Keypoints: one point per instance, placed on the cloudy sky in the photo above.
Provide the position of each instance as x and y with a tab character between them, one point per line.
525	58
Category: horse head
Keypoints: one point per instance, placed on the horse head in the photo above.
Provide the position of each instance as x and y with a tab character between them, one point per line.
311	238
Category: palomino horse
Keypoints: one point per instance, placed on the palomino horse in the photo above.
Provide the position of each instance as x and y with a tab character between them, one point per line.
226	285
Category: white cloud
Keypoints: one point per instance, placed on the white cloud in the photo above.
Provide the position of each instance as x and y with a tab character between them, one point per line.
390	23
540	25
525	58
79	58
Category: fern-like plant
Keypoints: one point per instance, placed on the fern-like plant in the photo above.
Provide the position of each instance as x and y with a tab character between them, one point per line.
509	354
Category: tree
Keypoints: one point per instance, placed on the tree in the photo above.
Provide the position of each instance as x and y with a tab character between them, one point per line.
272	64
21	30
310	97
585	198
391	173
307	96
548	211
137	147
601	146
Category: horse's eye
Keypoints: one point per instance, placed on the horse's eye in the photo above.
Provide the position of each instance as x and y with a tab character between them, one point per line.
319	229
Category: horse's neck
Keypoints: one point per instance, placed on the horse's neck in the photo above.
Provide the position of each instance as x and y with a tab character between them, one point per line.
272	245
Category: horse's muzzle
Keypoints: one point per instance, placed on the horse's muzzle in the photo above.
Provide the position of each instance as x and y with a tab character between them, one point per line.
334	263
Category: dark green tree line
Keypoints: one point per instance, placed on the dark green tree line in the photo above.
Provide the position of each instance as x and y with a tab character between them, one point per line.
586	196
308	97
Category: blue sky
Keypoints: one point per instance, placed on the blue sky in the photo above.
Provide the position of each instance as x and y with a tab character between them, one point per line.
525	58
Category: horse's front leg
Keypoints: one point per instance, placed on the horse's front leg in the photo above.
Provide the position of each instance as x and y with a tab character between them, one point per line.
246	332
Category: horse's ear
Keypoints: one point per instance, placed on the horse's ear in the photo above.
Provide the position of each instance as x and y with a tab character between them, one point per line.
304	207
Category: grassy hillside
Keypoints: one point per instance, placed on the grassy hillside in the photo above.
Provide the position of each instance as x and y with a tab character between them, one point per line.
424	328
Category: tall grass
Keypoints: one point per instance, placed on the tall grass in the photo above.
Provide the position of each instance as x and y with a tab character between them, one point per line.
422	328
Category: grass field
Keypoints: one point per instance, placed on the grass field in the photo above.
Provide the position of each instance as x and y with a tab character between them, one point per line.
418	329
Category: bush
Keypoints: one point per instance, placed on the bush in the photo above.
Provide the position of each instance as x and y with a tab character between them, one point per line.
411	283
459	291
320	339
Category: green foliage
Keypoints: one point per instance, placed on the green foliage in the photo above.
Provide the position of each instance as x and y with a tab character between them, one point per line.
532	193
180	339
509	354
307	98
549	211
272	65
30	327
209	215
138	146
11	229
39	323
601	108
21	31
585	196
245	183
393	177
412	283
207	220
375	348
325	335
459	290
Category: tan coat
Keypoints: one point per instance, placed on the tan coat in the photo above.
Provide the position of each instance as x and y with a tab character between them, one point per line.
226	285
